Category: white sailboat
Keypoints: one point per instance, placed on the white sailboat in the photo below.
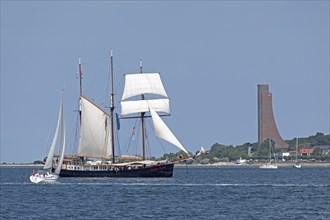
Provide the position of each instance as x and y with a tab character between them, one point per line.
270	165
46	175
297	165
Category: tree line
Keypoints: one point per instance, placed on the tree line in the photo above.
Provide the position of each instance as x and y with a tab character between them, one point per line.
253	151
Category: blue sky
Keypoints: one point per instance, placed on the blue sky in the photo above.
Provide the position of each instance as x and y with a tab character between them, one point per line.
211	56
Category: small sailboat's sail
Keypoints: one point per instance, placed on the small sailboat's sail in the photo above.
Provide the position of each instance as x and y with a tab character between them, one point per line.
49	161
163	132
144	83
94	131
62	151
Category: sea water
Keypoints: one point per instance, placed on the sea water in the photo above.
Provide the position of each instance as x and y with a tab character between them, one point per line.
193	193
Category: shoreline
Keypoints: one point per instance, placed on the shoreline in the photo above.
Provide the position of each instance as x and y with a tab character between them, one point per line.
219	164
21	165
232	164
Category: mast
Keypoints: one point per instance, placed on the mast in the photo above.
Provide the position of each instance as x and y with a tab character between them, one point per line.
80	94
270	151
296	150
142	123
80	77
112	109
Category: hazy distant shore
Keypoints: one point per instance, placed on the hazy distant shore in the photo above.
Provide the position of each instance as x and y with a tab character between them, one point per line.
282	164
21	165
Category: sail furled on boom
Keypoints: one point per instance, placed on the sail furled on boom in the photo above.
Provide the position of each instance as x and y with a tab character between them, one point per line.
94	131
163	132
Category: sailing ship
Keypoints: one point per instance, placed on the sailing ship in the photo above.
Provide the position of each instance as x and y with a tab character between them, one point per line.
46	175
296	165
97	139
270	165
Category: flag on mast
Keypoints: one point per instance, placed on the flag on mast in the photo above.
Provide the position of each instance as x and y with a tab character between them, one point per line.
118	122
133	133
81	73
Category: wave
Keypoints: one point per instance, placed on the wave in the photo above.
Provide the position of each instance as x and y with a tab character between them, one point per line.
172	184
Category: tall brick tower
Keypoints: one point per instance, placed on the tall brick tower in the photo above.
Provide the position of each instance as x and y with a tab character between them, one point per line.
266	122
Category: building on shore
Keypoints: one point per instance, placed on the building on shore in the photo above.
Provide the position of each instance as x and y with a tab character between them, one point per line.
306	151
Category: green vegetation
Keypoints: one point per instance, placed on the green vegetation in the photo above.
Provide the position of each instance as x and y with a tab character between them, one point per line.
319	139
224	153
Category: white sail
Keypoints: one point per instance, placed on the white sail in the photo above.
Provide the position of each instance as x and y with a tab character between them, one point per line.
163	132
144	83
138	106
94	131
62	148
49	161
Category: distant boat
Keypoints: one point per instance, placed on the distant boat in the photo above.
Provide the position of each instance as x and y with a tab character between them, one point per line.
46	175
270	165
296	165
240	161
143	97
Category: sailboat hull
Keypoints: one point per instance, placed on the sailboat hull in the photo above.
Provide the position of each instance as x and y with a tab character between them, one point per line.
268	166
43	177
163	170
297	166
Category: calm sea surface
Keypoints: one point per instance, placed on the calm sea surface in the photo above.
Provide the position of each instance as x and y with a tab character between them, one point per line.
196	193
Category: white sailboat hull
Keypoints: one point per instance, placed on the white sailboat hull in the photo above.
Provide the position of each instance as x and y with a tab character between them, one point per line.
268	166
43	178
297	166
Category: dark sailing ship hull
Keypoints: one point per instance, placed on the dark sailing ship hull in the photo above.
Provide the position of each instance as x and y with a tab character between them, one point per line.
163	170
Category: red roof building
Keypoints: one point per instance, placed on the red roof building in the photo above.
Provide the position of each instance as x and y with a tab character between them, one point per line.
306	151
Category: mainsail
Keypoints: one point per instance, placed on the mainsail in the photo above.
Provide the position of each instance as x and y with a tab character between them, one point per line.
60	125
50	156
62	148
94	131
151	84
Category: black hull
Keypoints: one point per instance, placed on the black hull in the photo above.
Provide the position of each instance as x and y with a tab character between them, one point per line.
163	170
